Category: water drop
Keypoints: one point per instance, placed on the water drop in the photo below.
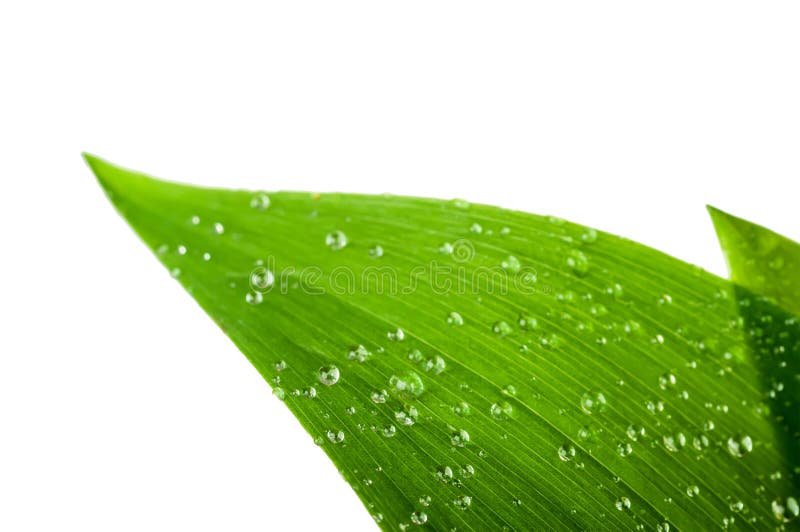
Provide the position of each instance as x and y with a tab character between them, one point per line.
578	262
623	504
358	353
279	393
260	201
501	328
336	240
379	397
389	431
476	228
566	452
280	365
419	518
219	228
328	375
692	490
667	380
455	319
593	402
462	409
335	436
501	411
261	279
376	252
460	438
407	386
206	256
624	449
463	502
195	220
444	474
526	322
254	298
740	445
511	264
436	365
589	236
635	432
468	471
510	390
396	336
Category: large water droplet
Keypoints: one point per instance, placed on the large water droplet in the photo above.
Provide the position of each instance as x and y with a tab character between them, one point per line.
578	262
459	438
358	353
501	328
501	411
623	504
336	240
740	445
260	201
335	436
419	518
328	375
593	402
455	319
254	298
511	264
407	386
566	452
463	502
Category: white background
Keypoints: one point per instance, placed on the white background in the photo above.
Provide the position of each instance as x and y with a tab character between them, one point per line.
121	406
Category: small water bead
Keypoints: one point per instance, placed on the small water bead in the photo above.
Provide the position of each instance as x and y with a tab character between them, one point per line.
419	518
623	504
181	250
425	500
336	240
206	256
505	231
578	262
407	386
566	452
444	474
517	502
254	298
510	390
468	471
740	445
635	432
335	436
736	506
279	393
446	248
460	438
280	365
527	323
435	365
667	380
501	411
389	431
309	392
219	228
463	502
654	407
589	236
358	353
692	490
511	264
396	336
379	397
462	409
624	449
260	201
407	418
674	443
415	355
262	279
328	375
593	402
376	252
476	228
454	319
501	328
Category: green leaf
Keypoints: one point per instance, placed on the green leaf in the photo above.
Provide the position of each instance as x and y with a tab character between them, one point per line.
471	367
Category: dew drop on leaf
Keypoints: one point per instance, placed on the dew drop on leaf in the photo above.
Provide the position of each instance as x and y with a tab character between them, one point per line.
335	436
336	240
501	328
254	298
593	402
328	375
376	252
566	452
463	502
455	319
419	518
459	438
623	504
260	201
578	262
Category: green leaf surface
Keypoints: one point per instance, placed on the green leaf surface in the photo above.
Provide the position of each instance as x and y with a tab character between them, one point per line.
471	367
